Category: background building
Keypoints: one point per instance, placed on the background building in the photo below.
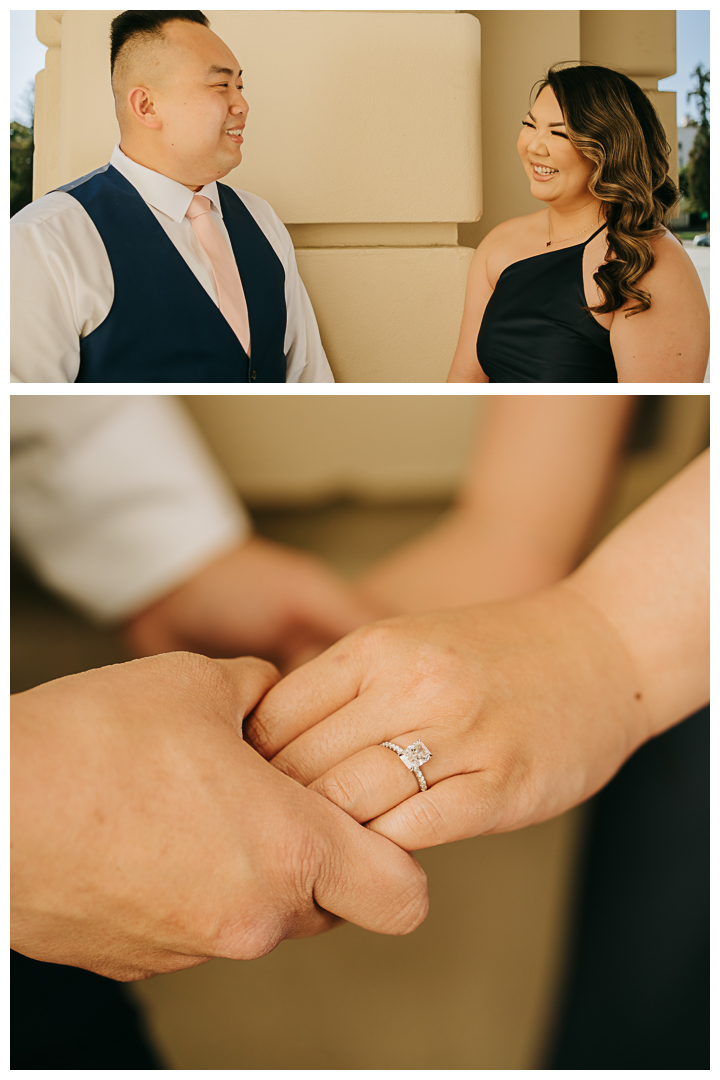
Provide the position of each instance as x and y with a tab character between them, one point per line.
686	133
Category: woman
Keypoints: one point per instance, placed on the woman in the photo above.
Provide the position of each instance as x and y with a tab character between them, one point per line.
592	288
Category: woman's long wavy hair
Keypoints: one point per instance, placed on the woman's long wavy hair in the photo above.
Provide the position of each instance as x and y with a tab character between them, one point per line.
612	122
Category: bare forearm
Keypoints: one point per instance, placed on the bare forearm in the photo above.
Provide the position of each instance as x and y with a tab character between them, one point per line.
537	478
650	581
460	561
466	369
541	467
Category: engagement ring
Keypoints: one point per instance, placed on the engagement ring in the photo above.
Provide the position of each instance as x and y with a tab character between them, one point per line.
413	757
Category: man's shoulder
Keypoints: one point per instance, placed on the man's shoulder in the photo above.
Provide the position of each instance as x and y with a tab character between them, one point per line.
46	209
84	179
57	202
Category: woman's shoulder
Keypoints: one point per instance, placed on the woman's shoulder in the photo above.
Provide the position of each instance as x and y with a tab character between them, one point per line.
673	280
514	228
671	258
667	241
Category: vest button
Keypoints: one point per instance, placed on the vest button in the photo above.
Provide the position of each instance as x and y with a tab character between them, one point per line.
253	374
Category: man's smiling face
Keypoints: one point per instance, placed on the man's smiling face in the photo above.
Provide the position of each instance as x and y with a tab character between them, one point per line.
196	88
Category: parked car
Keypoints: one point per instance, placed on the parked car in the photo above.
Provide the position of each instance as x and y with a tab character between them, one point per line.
702	240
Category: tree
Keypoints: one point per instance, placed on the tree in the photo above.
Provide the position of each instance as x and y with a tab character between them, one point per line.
698	166
22	146
701	93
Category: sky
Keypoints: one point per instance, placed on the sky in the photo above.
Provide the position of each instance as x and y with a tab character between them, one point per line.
693	45
27	56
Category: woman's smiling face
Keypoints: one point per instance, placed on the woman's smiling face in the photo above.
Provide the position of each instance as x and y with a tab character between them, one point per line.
557	171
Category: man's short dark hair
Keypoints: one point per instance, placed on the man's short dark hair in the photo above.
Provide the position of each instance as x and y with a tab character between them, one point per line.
146	24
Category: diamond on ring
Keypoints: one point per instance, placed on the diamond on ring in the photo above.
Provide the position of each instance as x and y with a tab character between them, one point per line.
413	757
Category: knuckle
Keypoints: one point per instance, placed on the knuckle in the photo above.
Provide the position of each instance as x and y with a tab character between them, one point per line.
127	974
341	787
412	905
263	667
373	638
257	733
169	964
250	932
424	820
202	673
252	941
292	767
279	898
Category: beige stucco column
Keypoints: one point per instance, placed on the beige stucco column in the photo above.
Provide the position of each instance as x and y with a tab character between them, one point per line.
46	159
642	45
517	48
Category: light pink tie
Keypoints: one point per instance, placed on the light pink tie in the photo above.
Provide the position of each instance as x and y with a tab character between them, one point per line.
227	277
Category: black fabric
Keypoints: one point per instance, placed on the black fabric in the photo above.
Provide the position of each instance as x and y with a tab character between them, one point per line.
637	991
162	325
534	328
66	1018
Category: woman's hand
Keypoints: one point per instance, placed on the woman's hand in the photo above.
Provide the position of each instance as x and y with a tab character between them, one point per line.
528	706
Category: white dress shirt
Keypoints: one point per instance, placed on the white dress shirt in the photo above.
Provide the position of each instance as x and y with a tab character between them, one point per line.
115	499
62	284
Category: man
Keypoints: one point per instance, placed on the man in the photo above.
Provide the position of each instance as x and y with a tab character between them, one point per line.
99	293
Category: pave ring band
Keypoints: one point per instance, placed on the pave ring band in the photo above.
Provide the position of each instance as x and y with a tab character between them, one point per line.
413	757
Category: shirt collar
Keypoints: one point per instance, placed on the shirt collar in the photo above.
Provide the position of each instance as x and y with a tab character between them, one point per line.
164	194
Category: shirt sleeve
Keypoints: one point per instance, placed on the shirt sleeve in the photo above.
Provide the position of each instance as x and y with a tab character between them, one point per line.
61	288
116	500
306	360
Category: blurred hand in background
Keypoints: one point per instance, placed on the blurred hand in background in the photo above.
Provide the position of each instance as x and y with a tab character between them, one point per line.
119	507
260	599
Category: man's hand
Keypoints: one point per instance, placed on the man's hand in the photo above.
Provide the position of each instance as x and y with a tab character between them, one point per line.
148	837
261	598
528	706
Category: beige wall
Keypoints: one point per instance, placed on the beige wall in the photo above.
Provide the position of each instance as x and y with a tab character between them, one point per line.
295	451
299	451
378	137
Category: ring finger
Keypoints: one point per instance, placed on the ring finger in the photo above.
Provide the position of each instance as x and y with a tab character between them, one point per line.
376	779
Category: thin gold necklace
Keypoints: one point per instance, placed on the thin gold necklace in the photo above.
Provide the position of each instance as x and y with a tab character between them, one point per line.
551	242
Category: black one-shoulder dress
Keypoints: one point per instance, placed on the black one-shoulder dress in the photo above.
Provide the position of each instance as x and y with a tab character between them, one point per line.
535	327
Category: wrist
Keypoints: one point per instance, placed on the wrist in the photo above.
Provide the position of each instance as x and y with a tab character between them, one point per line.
581	667
466	559
620	679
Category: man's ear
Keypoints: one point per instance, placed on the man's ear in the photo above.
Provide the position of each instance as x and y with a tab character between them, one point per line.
142	108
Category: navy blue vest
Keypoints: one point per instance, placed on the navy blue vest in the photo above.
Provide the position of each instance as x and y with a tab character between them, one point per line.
163	326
